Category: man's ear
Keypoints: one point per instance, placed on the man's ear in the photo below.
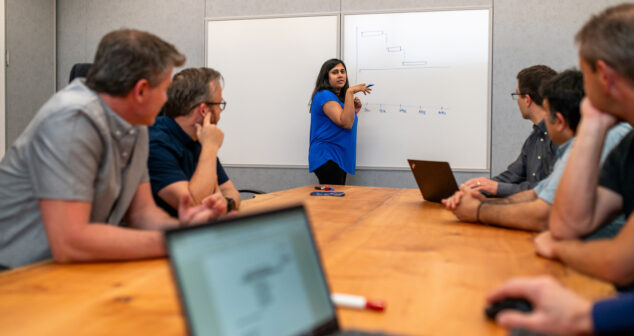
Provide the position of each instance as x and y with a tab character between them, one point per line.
560	122
202	110
139	91
528	100
607	76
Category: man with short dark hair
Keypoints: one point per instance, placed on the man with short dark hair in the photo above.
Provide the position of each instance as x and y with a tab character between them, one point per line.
184	143
538	153
529	209
74	185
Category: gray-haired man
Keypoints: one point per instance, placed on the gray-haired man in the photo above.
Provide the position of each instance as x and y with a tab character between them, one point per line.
78	171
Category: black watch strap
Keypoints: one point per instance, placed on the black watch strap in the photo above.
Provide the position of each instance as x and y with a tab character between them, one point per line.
231	204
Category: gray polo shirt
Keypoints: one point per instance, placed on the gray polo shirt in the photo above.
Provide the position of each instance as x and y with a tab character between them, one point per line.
75	148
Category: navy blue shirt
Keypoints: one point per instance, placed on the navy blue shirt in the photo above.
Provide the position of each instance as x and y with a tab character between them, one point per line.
614	316
173	158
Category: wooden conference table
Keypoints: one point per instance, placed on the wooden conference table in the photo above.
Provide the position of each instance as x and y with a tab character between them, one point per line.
432	271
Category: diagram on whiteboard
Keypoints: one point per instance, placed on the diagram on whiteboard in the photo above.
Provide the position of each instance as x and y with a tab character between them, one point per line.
430	75
421	110
394	57
376	52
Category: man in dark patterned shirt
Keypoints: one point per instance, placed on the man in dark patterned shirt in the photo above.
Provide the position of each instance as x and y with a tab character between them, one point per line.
538	155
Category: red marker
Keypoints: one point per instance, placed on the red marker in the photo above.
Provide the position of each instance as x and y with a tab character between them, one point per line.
324	188
357	302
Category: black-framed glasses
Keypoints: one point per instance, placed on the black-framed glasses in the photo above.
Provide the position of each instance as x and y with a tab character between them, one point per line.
515	95
222	104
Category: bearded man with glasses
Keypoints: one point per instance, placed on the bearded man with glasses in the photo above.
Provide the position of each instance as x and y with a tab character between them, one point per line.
184	143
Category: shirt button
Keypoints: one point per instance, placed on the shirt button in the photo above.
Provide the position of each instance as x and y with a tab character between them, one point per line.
125	154
131	132
539	157
117	133
542	139
533	174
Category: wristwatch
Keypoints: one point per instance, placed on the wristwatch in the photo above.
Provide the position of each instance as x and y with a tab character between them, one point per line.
231	204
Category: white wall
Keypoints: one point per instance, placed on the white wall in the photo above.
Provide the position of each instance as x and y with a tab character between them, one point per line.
525	32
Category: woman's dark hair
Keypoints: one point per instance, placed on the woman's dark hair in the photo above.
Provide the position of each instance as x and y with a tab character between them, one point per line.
323	82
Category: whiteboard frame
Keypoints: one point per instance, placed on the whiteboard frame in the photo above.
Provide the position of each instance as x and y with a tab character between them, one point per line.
258	17
340	33
489	89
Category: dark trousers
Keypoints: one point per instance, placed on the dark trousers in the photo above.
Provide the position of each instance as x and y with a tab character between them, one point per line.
330	173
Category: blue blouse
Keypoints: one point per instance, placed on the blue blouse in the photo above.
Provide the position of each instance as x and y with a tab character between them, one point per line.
329	141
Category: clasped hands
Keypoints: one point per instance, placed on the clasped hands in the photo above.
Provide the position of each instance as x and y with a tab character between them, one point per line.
464	203
211	207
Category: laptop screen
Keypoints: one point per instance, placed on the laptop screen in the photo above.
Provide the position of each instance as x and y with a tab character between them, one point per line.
258	275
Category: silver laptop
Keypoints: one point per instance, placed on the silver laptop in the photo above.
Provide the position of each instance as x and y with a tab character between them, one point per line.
254	275
434	178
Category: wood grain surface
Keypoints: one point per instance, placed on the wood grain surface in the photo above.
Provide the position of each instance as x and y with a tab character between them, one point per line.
432	271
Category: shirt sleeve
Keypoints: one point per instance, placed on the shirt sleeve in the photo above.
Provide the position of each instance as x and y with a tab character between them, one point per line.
220	171
164	166
614	316
514	179
614	137
547	187
610	171
64	157
324	96
515	172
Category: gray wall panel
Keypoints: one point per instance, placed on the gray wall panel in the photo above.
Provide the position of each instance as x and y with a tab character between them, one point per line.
180	22
30	76
525	32
528	32
371	5
72	30
224	8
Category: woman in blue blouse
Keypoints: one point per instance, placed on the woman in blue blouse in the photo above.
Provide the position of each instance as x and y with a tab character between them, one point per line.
333	124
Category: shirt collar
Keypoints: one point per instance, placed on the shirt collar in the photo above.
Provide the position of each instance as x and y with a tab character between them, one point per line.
564	146
118	126
541	126
170	126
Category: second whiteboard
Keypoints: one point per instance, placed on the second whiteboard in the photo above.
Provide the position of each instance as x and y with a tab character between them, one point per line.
430	98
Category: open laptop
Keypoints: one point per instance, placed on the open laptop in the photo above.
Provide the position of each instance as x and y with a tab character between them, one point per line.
434	178
258	274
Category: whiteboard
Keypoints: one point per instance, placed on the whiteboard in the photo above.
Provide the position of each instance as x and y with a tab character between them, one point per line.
269	67
431	76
